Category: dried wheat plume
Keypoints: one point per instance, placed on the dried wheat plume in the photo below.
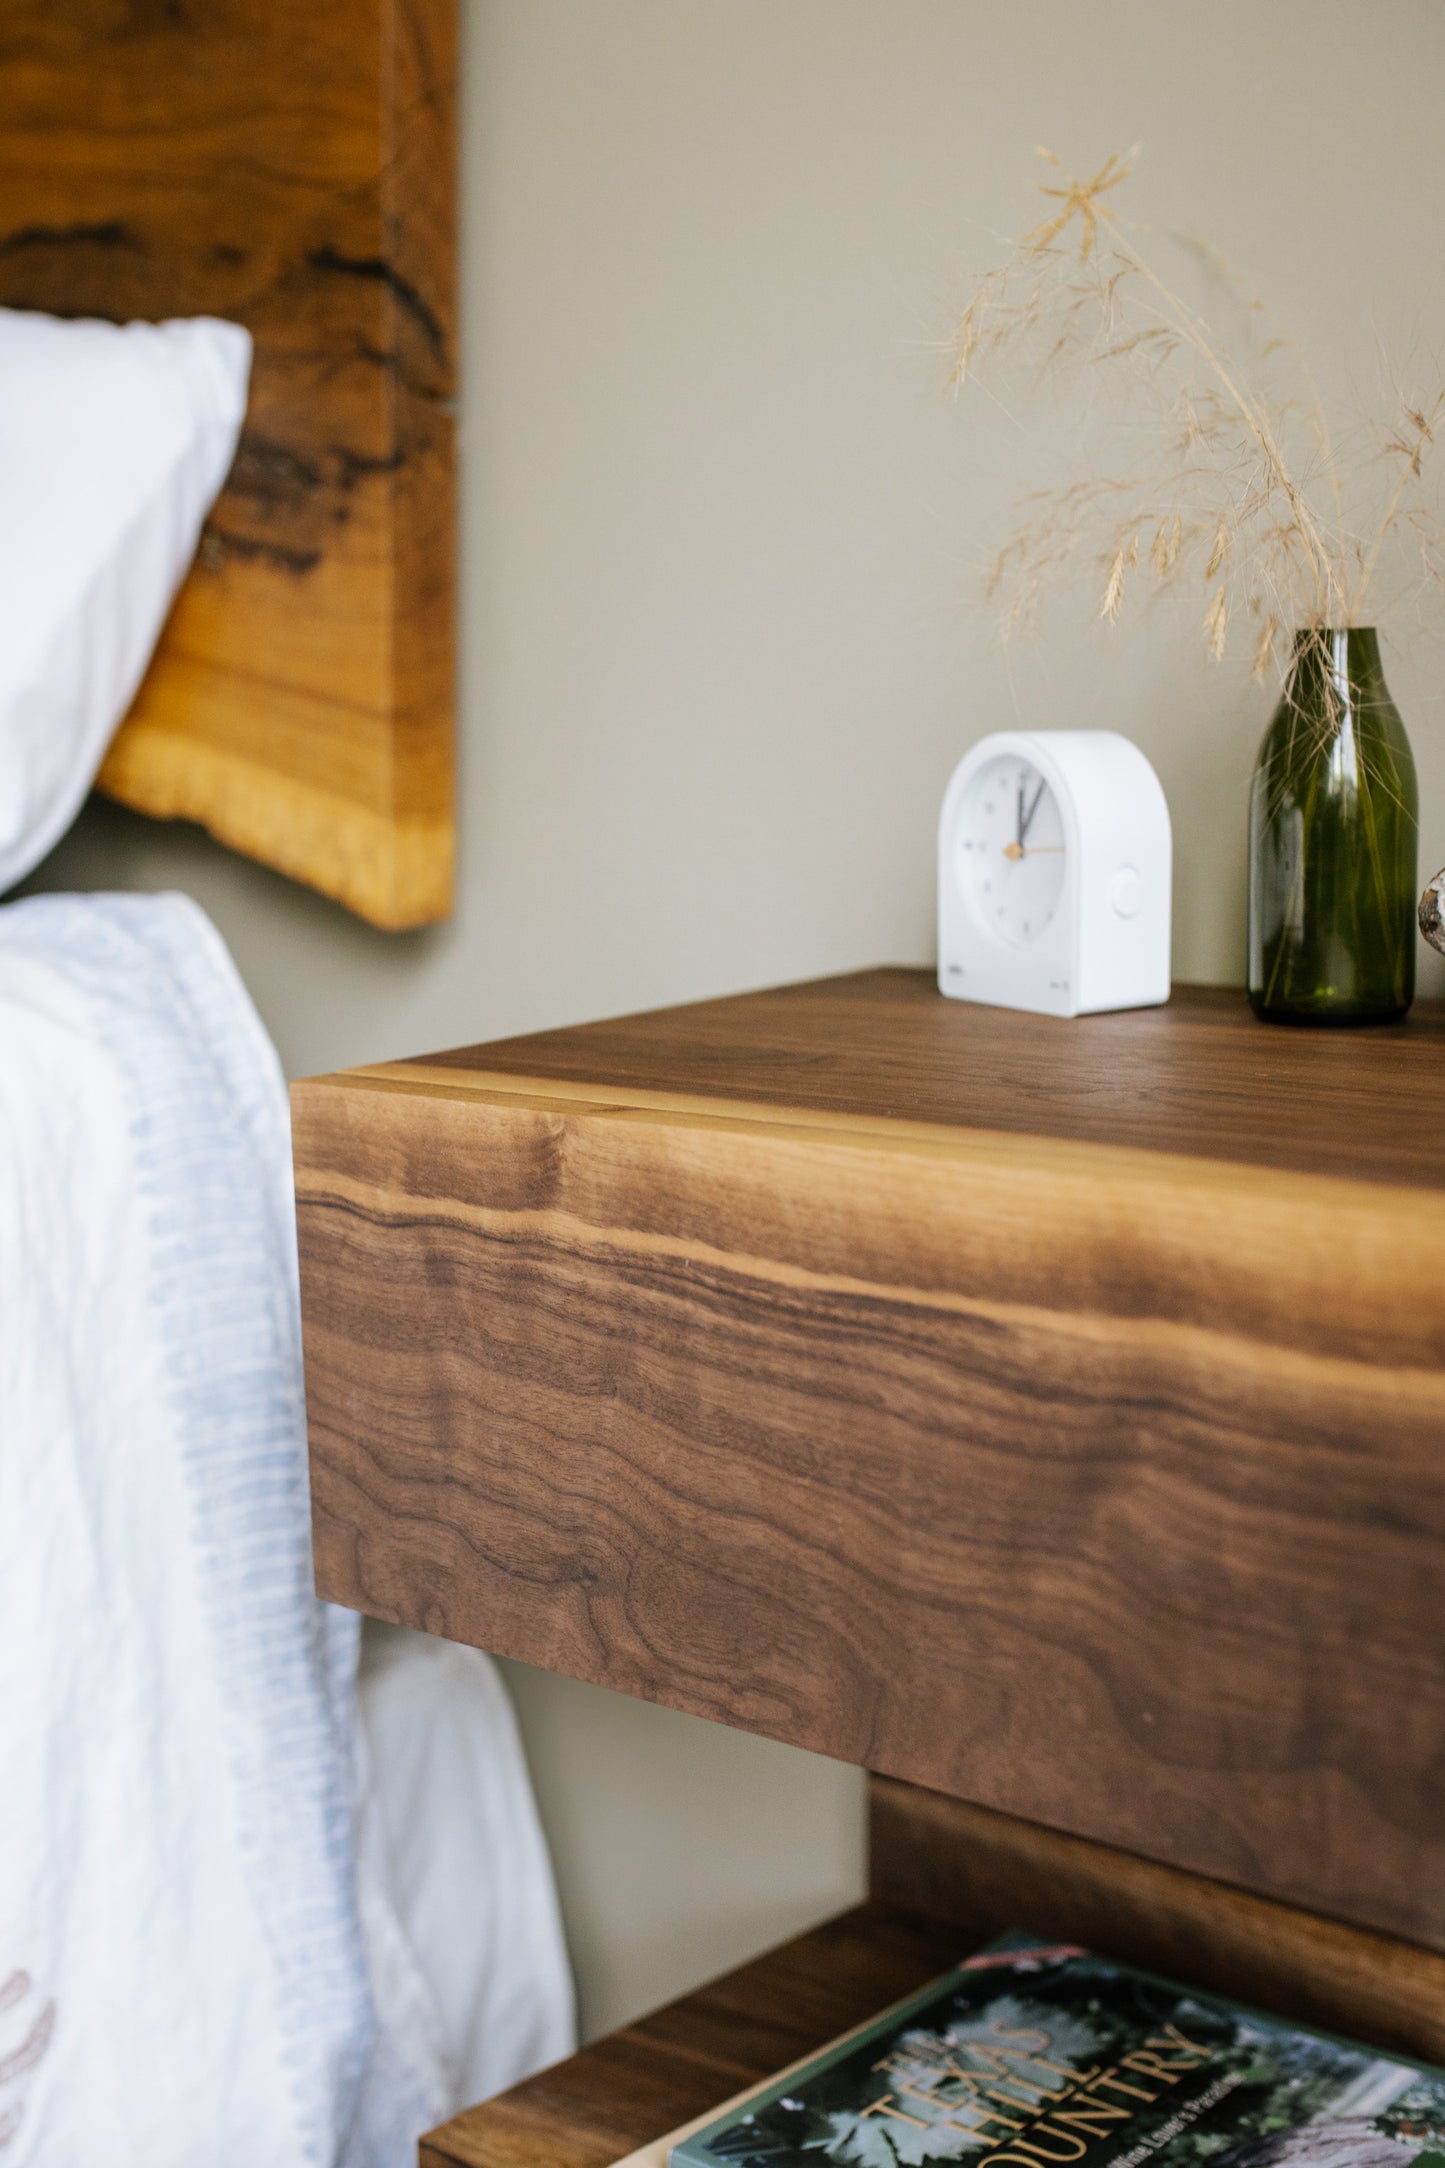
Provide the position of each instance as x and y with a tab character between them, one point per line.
1233	479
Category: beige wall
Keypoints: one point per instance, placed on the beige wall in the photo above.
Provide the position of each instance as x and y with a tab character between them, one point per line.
719	529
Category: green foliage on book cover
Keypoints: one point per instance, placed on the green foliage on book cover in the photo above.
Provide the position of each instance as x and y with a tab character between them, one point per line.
1059	2059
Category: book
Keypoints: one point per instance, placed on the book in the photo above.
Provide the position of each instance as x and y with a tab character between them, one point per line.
1040	2055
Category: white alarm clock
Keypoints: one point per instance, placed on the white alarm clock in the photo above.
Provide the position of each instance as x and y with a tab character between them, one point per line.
1054	862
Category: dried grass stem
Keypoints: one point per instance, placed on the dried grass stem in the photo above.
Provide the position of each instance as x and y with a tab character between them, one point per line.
1244	484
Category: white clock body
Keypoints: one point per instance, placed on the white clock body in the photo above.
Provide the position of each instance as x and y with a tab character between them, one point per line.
1054	872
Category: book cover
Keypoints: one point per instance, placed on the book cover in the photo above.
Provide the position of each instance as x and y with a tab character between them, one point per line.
1033	2055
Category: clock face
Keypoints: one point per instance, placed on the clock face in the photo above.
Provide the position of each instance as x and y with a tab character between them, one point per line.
1009	852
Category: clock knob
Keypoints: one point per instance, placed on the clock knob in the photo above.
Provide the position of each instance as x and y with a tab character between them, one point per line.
1126	892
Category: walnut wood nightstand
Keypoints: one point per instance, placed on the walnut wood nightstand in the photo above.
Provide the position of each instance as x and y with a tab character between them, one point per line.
1049	1415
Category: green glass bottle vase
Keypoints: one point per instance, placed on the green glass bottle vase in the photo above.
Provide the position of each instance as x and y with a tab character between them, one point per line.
1333	835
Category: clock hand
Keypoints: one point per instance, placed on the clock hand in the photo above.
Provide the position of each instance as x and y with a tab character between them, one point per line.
1026	818
1022	824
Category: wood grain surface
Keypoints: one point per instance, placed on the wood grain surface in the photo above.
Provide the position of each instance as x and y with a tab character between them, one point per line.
1202	1076
290	167
643	2081
950	1861
1101	1486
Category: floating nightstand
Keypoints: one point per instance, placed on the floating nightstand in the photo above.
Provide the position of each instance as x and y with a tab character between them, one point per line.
1051	1415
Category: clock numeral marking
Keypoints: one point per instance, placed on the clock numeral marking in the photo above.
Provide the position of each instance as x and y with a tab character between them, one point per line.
1010	852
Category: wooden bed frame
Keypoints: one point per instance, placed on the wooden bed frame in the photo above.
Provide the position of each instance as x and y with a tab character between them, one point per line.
290	167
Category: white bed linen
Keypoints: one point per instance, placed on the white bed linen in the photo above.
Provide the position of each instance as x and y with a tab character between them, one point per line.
195	1964
114	441
466	1864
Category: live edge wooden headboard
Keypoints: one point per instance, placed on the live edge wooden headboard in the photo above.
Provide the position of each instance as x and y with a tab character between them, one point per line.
288	164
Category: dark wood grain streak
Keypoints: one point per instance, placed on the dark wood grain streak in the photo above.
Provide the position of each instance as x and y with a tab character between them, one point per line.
949	1861
1202	1076
290	167
1103	1487
643	2081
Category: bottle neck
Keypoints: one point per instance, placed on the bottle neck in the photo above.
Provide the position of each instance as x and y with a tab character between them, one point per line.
1340	665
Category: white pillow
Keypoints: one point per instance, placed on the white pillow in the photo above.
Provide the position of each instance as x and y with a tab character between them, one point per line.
114	442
